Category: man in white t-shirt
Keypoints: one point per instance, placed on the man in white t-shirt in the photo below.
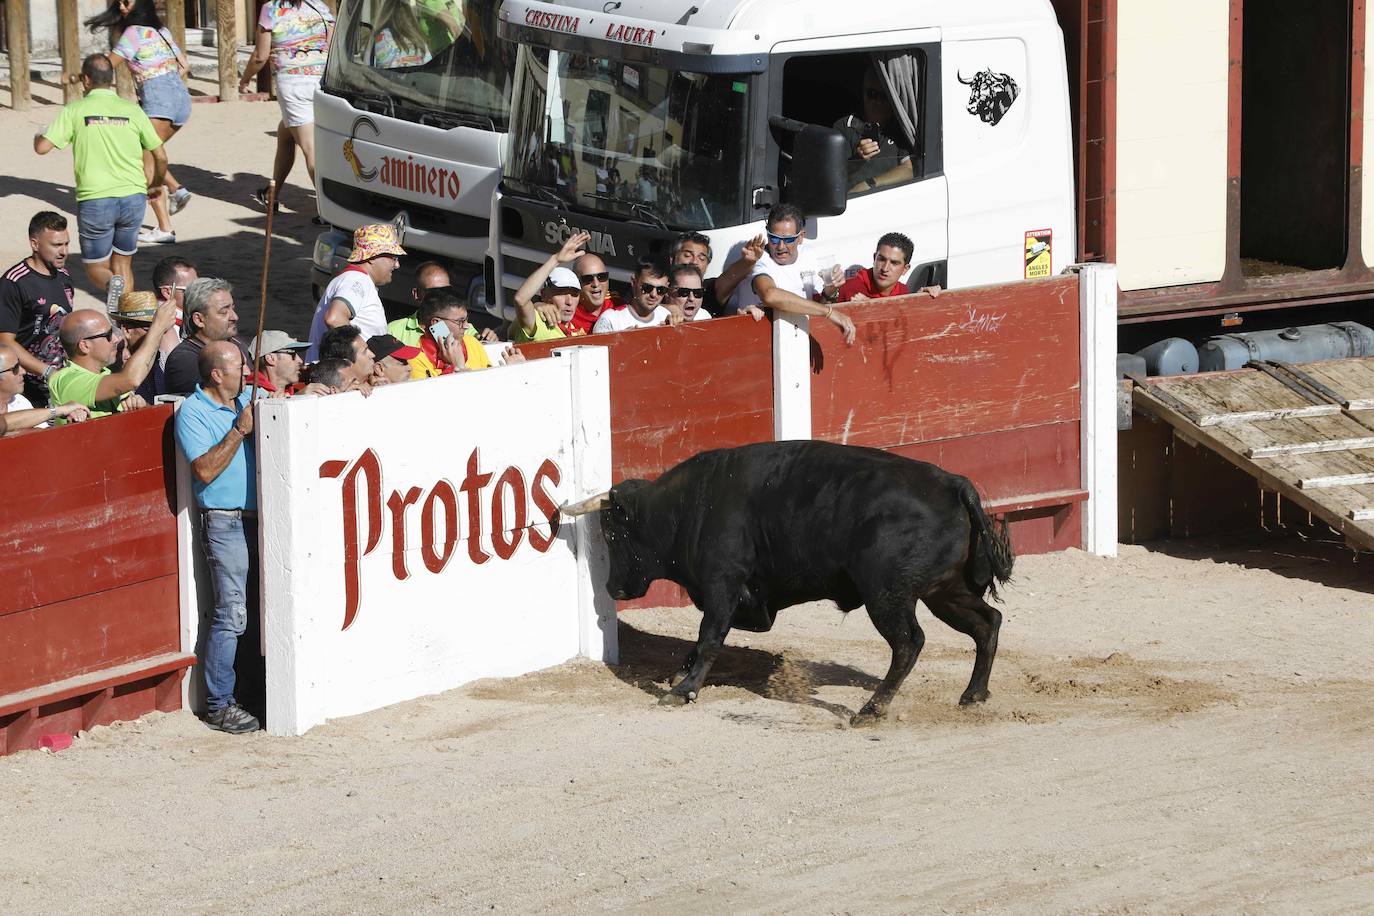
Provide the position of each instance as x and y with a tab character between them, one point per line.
352	296
786	280
646	308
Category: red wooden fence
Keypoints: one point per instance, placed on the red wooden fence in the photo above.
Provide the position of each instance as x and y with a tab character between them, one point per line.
983	382
89	615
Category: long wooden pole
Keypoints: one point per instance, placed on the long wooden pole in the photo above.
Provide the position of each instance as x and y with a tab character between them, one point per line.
262	290
69	41
227	40
17	29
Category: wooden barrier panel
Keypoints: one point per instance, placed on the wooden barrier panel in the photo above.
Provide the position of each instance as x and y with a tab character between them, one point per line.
983	382
679	391
89	618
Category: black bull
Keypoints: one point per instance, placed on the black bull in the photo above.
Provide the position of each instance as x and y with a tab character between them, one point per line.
749	531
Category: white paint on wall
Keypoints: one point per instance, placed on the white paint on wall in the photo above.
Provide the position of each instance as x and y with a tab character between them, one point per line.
429	610
1171	115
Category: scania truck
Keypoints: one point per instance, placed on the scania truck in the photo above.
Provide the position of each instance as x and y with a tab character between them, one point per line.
410	124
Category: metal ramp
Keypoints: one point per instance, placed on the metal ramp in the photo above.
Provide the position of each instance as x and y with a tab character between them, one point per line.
1304	430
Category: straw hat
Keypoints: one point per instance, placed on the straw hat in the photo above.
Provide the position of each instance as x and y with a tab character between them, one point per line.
140	305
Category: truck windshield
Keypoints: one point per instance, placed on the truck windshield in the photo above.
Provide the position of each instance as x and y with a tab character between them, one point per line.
628	140
437	62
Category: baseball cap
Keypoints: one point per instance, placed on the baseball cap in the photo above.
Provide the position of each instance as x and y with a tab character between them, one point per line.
383	345
562	278
276	341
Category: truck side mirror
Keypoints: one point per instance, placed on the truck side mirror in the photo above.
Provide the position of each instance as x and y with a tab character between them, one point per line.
818	175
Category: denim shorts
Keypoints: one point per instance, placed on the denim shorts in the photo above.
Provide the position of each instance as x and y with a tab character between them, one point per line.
165	97
109	224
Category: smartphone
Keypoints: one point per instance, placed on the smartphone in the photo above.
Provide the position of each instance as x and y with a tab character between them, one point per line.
439	331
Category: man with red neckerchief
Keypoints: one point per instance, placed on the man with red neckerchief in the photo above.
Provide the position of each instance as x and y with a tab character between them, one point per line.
352	296
596	294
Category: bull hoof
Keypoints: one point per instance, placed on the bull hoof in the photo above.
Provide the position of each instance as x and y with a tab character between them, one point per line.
971	697
673	698
866	718
677	678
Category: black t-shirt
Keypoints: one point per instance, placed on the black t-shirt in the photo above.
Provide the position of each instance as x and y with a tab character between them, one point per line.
891	153
32	306
182	373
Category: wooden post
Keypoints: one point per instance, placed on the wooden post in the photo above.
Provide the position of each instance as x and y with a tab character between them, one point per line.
69	40
227	41
17	28
175	20
124	84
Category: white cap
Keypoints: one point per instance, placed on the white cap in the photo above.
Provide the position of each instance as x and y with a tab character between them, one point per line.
562	278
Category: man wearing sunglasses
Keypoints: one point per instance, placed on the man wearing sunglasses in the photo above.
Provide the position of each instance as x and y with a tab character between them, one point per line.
690	294
786	280
16	412
88	339
646	309
596	298
694	249
877	157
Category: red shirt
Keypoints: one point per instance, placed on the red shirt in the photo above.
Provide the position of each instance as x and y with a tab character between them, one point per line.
583	320
862	282
261	380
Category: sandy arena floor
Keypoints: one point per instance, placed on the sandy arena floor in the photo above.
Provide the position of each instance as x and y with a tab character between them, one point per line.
1167	733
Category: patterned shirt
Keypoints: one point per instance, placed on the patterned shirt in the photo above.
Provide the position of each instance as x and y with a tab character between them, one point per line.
300	35
149	52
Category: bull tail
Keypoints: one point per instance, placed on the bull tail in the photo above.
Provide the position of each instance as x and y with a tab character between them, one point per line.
989	557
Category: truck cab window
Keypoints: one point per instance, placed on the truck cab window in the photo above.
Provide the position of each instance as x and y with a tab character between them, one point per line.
873	99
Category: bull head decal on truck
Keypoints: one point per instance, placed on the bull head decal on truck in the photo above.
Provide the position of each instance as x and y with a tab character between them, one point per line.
990	94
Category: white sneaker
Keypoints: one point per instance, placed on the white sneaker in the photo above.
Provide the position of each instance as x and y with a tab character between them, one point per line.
156	237
179	200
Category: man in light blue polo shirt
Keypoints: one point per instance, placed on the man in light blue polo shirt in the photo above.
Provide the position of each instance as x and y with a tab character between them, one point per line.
213	428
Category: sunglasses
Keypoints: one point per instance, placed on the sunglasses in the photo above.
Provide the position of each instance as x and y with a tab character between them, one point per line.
595	278
108	335
652	289
16	369
782	239
687	292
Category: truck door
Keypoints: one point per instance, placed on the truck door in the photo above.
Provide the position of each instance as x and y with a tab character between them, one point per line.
837	82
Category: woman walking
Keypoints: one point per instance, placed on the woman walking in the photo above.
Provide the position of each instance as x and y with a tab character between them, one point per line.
139	41
294	35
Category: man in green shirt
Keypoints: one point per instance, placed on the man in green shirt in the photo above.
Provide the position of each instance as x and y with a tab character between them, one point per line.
88	339
108	136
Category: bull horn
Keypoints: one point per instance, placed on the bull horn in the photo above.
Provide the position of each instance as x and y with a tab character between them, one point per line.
590	504
959	75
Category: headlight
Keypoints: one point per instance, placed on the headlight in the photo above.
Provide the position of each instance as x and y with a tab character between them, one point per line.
324	253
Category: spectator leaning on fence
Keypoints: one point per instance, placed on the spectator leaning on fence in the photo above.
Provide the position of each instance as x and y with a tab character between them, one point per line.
214	430
348	344
646	308
391	360
108	136
429	275
596	298
279	366
134	316
209	317
444	347
35	295
891	259
88	338
352	297
785	279
16	413
559	290
694	249
331	376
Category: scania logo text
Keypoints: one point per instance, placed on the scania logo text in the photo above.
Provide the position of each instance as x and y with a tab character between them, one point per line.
557	232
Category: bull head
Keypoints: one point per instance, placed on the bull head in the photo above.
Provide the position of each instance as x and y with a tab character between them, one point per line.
590	504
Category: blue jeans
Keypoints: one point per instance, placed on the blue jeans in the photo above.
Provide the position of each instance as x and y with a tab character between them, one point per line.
231	548
165	97
109	224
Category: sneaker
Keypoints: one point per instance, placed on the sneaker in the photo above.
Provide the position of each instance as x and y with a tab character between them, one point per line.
260	196
179	200
156	237
233	720
113	290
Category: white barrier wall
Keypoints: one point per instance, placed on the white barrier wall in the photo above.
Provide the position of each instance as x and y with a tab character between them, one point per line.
411	543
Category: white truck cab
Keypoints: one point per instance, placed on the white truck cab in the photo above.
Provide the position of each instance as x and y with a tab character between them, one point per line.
410	124
641	119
